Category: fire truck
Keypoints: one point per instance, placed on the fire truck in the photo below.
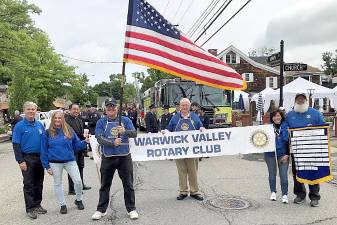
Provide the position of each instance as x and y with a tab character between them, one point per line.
217	102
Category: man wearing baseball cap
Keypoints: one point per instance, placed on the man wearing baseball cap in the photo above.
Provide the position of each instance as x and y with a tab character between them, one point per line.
114	140
302	116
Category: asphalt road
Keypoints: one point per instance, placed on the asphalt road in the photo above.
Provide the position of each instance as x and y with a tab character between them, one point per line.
233	181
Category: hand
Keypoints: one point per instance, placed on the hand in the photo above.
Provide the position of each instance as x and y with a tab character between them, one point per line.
284	159
50	171
118	142
23	166
202	129
120	129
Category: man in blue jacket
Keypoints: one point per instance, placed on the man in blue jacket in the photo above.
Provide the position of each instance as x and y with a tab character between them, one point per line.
187	168
27	147
114	141
302	116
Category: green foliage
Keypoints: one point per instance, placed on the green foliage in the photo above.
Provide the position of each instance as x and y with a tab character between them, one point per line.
330	63
28	62
154	76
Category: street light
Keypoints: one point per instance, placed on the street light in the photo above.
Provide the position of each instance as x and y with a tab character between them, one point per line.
310	92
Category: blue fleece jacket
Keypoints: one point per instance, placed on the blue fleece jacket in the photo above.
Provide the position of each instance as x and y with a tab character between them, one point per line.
281	141
59	149
311	117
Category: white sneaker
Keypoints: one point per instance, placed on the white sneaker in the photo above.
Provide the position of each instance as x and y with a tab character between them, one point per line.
133	215
98	215
273	196
285	199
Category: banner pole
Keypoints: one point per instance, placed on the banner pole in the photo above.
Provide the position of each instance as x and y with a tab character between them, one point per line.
122	94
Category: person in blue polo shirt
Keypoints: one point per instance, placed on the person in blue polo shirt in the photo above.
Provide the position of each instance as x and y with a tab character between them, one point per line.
114	140
27	146
187	168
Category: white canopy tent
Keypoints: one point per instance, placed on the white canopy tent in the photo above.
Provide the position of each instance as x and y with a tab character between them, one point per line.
244	96
264	93
299	85
334	101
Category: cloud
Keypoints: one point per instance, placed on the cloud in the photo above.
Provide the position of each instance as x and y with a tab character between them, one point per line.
309	24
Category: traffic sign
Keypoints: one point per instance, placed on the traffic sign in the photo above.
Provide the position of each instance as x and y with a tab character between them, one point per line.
295	67
274	57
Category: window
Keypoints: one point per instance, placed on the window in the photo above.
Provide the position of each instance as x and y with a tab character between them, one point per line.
232	58
271	82
249	77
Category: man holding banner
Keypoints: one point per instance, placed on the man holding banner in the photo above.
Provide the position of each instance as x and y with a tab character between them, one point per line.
187	168
114	139
303	116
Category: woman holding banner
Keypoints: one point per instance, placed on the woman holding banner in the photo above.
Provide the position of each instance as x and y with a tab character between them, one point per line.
58	146
282	156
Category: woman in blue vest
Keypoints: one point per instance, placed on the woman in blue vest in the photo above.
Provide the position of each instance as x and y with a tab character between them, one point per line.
282	156
187	168
58	146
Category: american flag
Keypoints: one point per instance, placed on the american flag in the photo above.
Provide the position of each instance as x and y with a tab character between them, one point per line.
154	42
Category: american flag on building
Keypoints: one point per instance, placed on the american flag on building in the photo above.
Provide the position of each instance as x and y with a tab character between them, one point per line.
154	42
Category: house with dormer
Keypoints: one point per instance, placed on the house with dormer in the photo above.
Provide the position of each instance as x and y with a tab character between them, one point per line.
257	75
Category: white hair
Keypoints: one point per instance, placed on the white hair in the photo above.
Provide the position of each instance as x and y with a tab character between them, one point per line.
29	104
301	108
16	113
185	100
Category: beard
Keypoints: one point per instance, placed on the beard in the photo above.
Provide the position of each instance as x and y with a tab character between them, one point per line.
301	108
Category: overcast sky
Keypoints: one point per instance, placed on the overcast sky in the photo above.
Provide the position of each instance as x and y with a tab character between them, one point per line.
94	29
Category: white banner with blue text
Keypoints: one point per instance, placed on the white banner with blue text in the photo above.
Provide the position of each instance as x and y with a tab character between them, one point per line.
209	143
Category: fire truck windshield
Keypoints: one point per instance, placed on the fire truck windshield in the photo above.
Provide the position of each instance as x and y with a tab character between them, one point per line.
177	92
214	96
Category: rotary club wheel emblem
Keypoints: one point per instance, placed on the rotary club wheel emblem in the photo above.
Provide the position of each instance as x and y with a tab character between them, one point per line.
114	131
185	126
259	139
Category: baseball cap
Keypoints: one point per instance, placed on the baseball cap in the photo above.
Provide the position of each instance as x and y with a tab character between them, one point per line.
110	102
166	107
152	106
300	94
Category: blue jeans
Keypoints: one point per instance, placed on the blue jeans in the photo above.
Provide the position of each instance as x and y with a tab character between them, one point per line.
272	170
72	169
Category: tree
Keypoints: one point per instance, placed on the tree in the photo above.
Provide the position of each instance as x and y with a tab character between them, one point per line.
330	63
263	51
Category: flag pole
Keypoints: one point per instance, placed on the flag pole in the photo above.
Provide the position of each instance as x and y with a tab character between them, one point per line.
122	94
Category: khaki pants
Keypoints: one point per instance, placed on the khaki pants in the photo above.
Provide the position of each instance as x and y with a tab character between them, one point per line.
187	168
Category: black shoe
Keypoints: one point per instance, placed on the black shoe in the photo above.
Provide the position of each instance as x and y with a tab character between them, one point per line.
197	197
79	204
86	154
71	193
86	187
63	209
298	200
40	210
181	197
314	203
32	215
92	158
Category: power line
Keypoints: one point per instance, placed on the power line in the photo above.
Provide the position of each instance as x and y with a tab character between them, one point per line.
175	15
213	20
202	17
167	4
221	7
185	12
226	23
89	61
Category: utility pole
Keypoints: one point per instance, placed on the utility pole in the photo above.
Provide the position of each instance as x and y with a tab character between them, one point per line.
281	72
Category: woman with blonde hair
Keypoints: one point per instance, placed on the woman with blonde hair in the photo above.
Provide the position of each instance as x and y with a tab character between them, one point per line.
58	146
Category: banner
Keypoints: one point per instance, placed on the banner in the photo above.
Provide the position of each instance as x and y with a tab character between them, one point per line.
194	144
311	151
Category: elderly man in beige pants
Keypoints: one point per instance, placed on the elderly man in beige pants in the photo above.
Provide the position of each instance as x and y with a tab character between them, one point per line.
187	168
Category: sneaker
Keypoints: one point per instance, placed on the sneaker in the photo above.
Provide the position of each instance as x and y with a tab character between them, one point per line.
79	205
273	196
71	193
31	215
40	210
298	200
285	199
133	215
98	215
314	203
181	196
63	209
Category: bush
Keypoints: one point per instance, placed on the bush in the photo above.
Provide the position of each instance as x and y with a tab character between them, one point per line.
2	130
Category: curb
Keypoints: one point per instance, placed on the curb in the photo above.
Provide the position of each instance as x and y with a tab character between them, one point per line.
4	138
